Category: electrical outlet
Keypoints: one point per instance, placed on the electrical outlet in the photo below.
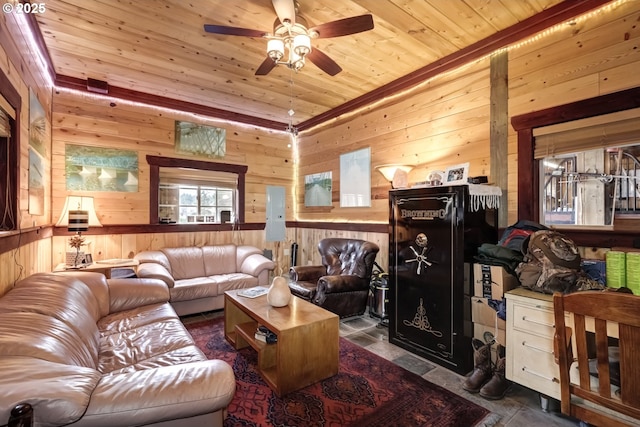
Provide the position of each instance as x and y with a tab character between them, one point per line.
287	252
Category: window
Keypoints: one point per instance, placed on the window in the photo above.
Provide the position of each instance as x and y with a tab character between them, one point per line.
192	191
189	203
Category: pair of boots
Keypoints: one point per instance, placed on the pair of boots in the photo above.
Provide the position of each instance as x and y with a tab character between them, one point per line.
487	379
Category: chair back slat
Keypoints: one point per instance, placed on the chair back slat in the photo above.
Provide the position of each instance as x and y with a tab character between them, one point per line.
630	364
602	354
604	333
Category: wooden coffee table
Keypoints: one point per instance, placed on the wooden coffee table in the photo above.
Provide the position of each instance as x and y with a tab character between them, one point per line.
308	338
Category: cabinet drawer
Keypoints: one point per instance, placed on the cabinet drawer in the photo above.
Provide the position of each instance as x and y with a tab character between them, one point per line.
533	363
536	319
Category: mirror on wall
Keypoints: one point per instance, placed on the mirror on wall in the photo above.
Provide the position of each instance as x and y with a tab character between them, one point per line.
590	188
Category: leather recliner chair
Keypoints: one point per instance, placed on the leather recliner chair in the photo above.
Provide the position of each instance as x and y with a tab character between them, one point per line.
341	284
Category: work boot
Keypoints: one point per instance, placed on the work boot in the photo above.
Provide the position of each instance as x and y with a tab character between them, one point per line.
498	384
481	366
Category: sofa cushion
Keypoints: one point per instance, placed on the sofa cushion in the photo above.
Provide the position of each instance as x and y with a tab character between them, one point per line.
185	262
198	287
165	393
59	393
134	292
236	281
128	320
219	260
203	287
64	298
44	337
243	252
144	347
97	282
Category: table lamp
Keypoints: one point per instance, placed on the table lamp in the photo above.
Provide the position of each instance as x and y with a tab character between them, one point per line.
78	215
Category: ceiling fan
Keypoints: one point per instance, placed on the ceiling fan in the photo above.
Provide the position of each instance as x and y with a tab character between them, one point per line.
292	36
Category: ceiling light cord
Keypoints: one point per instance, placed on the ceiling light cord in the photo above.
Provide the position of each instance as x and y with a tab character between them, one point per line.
291	112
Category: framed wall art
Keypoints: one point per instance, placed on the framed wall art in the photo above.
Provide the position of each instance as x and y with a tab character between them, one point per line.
355	178
208	141
39	146
456	175
317	189
100	169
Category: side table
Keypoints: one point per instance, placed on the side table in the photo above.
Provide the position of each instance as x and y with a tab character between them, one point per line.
104	266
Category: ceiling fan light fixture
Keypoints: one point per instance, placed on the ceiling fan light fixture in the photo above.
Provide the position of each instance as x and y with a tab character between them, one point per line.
275	49
302	44
297	61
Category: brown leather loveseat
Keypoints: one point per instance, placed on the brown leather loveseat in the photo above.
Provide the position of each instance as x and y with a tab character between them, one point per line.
87	351
341	284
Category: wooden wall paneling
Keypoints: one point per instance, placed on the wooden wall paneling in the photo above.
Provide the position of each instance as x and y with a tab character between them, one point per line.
438	97
619	78
308	239
148	131
442	124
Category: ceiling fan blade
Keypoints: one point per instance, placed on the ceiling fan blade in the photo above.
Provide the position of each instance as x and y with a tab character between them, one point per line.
267	65
233	31
323	62
286	10
344	27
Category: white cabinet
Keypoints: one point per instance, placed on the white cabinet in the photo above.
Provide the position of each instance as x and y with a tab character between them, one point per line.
530	330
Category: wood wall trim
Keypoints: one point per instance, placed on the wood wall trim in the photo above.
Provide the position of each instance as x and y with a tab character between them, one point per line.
159	228
170	103
13	240
190	228
366	227
528	173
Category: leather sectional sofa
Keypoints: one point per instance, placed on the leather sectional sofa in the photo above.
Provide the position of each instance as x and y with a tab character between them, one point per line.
87	351
197	277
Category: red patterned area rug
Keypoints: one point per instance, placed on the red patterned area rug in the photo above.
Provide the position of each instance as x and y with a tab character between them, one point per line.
368	391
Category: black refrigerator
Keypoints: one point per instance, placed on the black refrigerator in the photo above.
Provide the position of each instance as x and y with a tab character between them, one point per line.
434	235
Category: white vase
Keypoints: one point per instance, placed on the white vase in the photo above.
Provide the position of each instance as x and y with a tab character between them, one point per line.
279	293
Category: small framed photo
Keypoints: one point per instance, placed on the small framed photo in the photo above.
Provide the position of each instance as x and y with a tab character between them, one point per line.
88	259
456	175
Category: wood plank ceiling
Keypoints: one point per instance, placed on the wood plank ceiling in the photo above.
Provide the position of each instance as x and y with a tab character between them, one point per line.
158	50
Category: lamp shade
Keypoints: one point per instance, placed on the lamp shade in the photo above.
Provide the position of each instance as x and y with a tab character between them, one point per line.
388	171
78	221
275	49
76	204
302	44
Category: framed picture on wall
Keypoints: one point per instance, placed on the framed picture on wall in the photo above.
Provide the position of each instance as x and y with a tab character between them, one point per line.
317	189
355	178
39	147
457	174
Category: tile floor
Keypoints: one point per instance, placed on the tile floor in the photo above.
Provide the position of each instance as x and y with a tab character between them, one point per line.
520	406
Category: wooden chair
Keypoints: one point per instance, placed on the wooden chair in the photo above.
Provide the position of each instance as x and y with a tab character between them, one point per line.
606	314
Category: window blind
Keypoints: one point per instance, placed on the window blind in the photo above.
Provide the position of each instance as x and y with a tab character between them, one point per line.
608	130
